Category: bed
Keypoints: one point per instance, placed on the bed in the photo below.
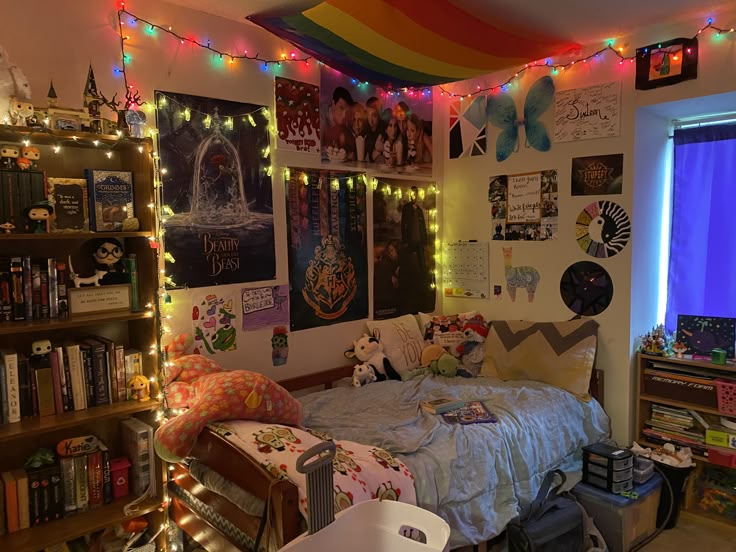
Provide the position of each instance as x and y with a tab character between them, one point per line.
474	476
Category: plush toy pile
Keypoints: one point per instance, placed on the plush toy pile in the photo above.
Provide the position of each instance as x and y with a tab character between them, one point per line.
212	394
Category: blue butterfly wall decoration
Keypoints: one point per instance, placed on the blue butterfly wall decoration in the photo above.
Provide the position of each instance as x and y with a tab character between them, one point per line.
501	113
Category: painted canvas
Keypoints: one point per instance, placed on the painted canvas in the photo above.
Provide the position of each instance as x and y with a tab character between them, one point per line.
404	232
328	264
365	127
297	115
603	229
524	206
597	174
217	182
468	127
702	334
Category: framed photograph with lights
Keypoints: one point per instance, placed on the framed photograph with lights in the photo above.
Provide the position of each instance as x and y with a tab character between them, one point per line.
666	63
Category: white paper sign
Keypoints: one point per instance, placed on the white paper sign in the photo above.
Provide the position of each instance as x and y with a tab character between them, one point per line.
587	113
525	198
258	299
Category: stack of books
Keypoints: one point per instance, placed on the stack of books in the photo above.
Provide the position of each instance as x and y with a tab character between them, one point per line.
73	375
456	411
675	425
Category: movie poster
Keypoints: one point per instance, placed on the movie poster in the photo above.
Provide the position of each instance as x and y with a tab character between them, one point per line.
328	264
215	166
297	115
363	126
524	206
404	231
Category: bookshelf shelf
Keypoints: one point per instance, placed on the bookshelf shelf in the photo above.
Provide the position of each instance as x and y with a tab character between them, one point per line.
644	402
73	236
54	532
78	321
46	424
105	347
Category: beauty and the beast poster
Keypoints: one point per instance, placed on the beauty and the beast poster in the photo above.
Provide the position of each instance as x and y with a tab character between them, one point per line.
215	166
328	265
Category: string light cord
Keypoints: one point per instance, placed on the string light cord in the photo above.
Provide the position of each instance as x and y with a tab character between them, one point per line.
188	110
183	39
557	67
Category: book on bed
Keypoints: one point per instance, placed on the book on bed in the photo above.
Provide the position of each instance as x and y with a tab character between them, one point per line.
441	405
472	412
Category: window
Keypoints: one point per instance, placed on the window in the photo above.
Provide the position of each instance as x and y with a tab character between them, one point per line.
702	254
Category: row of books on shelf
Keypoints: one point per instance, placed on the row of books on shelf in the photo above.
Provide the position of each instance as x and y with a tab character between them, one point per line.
68	376
690	428
33	289
80	476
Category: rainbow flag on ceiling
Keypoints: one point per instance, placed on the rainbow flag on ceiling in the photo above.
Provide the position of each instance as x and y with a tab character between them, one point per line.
399	43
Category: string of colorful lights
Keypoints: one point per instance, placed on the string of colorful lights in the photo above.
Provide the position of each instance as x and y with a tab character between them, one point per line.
231	56
557	67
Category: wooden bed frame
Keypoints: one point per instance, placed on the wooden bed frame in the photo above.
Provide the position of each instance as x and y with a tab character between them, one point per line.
287	522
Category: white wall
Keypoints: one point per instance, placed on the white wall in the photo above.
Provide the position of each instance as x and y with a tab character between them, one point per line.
643	141
59	39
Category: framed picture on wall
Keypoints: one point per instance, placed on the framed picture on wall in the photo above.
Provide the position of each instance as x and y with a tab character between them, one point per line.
666	63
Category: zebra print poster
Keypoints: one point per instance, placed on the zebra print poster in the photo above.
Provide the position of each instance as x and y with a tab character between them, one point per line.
603	229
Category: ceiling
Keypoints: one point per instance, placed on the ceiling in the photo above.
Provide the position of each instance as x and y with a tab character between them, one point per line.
588	22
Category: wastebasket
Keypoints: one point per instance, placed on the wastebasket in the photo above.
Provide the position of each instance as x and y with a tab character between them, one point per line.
677	478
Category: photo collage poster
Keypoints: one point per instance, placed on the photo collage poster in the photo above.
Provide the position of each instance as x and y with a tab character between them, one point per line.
326	232
218	185
404	214
363	127
524	206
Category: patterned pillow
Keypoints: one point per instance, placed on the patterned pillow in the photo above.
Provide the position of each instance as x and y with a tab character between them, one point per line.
401	339
446	330
557	353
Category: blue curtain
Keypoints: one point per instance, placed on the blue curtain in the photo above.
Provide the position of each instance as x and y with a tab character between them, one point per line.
702	267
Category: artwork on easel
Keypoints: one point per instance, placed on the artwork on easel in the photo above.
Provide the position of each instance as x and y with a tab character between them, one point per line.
702	334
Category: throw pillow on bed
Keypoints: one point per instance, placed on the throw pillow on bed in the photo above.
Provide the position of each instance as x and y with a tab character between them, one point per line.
557	353
445	330
401	339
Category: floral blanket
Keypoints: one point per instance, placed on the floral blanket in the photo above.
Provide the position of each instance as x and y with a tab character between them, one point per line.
360	472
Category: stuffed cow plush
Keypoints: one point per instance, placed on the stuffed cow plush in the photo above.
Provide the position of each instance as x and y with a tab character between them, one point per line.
368	350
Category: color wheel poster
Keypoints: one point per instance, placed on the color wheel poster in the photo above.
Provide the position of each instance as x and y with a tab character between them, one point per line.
328	264
215	171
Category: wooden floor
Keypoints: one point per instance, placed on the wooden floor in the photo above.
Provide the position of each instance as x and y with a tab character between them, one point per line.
696	534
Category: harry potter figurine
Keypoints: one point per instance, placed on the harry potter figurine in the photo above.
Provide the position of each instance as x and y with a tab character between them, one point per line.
38	215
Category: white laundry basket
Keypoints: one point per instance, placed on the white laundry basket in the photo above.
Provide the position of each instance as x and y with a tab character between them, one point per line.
378	526
370	526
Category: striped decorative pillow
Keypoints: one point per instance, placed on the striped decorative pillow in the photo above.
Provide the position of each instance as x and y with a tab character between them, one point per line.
557	353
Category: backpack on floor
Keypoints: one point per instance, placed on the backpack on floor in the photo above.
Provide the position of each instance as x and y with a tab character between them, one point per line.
551	523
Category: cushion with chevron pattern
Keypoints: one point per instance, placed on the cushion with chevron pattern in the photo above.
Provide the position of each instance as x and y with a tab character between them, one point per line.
557	353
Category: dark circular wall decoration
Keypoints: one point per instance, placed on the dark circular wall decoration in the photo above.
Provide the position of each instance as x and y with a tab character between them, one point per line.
586	288
603	229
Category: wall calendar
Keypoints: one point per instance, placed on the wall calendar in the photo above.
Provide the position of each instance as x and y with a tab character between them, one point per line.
465	269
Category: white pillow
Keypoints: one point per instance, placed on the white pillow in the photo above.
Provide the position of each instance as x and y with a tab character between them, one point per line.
401	339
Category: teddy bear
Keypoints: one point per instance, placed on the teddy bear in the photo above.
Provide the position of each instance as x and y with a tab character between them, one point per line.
208	393
369	350
363	374
471	352
435	360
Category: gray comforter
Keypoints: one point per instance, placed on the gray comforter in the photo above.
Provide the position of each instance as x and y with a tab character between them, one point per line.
475	476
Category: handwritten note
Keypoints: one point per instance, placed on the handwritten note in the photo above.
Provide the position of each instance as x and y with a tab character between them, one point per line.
265	307
587	113
255	300
525	198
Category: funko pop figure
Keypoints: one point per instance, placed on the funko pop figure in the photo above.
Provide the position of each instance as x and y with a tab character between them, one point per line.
28	159
8	153
38	215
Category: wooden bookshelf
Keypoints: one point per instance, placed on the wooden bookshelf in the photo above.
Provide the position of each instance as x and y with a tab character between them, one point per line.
74	321
40	425
643	412
62	530
139	330
73	236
